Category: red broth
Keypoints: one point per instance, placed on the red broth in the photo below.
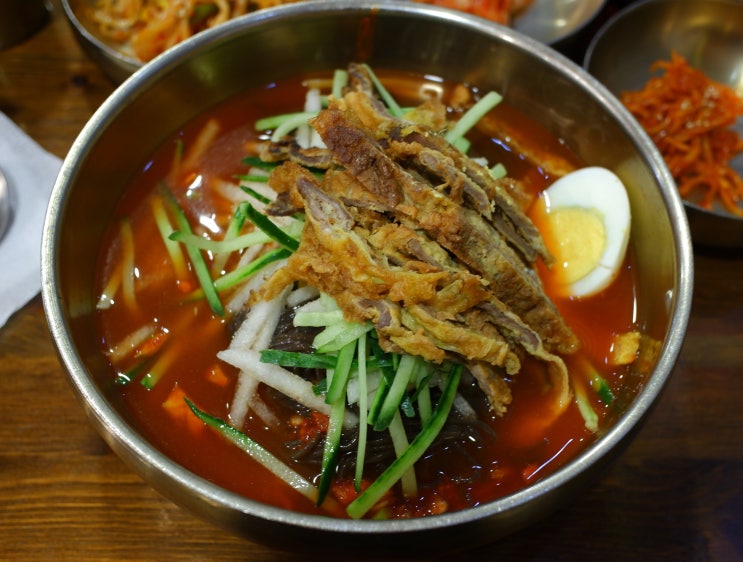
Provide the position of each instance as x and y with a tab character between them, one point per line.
528	444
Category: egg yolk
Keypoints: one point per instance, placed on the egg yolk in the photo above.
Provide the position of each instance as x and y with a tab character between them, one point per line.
578	239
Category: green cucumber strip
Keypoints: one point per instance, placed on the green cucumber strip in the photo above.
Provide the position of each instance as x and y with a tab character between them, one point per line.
236	276
339	380
290	125
262	222
236	243
590	417
472	116
392	105
396	392
165	228
317	319
284	120
256	162
337	335
338	384
258	453
197	260
220	246
340	79
400	443
423	398
462	144
233	231
311	360
388	373
363	399
257	179
498	171
601	387
229	280
298	359
369	497
255	195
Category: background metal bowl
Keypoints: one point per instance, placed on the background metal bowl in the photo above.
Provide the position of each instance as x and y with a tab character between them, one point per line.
312	36
709	33
114	64
553	22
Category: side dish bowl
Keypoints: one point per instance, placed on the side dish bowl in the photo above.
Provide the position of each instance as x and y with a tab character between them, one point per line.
114	63
553	22
315	36
557	22
709	34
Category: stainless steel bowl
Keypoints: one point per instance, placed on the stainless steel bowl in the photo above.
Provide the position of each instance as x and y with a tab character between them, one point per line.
112	61
312	36
553	22
556	22
709	33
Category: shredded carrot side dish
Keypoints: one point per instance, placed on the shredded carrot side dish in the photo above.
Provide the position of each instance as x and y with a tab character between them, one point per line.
689	117
145	28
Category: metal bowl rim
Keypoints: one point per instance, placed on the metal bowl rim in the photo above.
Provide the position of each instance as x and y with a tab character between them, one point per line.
120	434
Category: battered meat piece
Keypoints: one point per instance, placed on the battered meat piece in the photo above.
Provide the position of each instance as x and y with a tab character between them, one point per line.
404	231
461	230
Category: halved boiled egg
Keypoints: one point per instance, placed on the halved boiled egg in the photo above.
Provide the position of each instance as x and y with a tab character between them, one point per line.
585	222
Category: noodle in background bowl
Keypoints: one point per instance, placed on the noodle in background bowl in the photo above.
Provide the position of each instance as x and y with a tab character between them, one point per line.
313	36
709	34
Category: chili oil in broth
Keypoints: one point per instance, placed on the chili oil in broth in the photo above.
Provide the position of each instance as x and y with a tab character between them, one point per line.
519	451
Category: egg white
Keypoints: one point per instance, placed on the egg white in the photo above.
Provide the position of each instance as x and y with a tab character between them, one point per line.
598	191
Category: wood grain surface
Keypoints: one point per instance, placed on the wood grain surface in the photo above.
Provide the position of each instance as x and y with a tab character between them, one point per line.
675	494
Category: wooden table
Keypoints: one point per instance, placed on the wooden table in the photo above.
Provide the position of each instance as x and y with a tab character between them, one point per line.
676	494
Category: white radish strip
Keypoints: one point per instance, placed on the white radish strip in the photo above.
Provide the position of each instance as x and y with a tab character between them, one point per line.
464	408
106	299
250	254
313	104
353	387
128	272
301	295
131	342
264	413
203	141
286	382
315	305
400	443
238	300
255	333
245	391
257	329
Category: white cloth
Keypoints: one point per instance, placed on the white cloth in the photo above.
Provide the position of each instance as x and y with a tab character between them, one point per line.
31	172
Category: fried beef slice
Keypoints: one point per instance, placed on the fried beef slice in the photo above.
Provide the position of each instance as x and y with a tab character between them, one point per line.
404	231
464	232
